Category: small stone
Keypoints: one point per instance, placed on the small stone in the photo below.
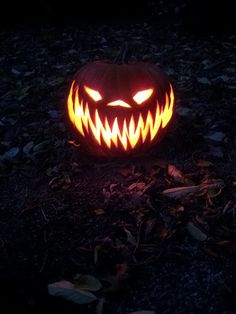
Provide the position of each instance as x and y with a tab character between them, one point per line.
27	148
54	114
10	154
203	80
216	136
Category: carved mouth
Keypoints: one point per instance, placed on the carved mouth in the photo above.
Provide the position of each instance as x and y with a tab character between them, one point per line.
119	132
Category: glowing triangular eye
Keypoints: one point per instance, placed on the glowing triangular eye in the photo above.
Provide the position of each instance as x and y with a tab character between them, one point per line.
93	93
143	95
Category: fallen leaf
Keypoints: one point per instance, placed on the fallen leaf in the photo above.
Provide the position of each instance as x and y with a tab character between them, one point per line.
113	187
67	179
29	73
41	146
209	251
122	271
180	209
130	238
224	78
224	243
212	187
140	186
216	151
23	93
216	136
28	147
204	80
68	291
54	114
149	227
100	306
10	154
183	111
55	81
204	163
60	182
181	192
125	172
87	282
176	174
14	71
195	232
116	280
99	211
103	40
143	312
164	233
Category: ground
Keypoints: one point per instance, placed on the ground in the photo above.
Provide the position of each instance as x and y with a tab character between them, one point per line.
64	213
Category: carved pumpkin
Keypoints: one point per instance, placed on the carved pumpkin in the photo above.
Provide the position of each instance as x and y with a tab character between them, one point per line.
120	108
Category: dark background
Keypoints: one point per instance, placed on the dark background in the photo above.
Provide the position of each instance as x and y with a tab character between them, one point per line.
199	16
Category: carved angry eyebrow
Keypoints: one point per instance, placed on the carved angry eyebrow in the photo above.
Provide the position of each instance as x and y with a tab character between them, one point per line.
95	95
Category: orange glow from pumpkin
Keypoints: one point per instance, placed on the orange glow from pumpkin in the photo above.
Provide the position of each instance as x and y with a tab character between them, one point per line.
126	133
93	93
143	95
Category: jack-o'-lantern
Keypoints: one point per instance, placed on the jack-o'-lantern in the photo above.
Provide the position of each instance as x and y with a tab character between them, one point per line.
120	108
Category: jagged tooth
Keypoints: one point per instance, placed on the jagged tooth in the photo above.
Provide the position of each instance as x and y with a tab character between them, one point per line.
167	101
167	112
146	127
98	124
172	97
83	116
131	127
94	127
107	126
129	131
134	132
123	136
119	128
158	112
126	133
70	104
150	123
141	126
114	130
78	113
106	132
80	104
157	122
102	129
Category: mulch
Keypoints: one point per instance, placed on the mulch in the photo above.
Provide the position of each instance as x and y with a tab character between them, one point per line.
157	231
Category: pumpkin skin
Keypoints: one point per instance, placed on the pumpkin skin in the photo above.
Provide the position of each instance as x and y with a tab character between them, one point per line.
120	109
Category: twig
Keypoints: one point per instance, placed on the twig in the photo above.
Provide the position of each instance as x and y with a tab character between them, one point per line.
44	216
44	263
138	237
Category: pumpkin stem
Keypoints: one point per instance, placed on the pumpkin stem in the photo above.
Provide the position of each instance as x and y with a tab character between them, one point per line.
123	55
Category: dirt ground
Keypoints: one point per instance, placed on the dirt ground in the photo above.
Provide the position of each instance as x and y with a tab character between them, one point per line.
64	213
